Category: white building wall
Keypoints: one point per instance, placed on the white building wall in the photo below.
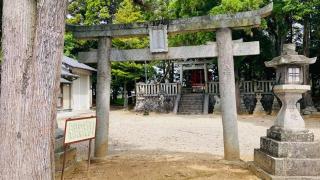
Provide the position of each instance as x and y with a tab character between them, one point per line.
66	96
81	91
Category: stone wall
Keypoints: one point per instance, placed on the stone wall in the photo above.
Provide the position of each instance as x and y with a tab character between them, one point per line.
165	104
249	103
160	103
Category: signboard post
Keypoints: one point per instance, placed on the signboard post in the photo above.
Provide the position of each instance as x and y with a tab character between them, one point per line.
78	130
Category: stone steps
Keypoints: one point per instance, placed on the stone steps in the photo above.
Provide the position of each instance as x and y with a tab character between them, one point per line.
190	113
191	104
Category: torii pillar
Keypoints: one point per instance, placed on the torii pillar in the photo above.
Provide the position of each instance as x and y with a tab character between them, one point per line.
227	93
103	96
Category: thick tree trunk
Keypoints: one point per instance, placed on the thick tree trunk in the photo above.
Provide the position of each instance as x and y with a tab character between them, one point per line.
32	51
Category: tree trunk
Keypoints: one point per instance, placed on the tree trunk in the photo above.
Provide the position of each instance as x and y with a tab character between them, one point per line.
306	38
125	96
32	51
307	97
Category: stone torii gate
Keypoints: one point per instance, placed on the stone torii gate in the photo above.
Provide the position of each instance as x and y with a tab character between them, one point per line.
224	49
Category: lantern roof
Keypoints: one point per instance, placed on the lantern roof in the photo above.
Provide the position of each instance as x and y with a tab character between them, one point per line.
290	56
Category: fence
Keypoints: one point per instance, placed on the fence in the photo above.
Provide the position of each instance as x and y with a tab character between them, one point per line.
249	87
213	88
172	89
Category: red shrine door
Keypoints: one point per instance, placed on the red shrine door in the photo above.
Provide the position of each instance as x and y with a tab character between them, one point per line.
197	79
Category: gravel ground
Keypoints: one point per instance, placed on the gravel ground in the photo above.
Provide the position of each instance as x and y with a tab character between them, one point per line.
131	132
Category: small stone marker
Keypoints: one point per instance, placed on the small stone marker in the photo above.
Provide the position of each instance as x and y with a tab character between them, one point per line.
217	105
258	110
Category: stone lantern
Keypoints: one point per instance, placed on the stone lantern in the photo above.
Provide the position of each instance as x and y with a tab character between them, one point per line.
289	69
289	150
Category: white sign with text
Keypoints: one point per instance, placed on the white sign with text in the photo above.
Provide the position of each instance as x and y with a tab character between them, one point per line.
79	130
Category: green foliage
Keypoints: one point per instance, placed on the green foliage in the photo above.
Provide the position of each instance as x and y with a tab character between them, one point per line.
232	6
301	8
127	71
156	10
128	13
88	12
188	8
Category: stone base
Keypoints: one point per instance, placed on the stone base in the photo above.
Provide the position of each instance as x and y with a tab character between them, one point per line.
287	154
254	168
287	166
282	135
290	149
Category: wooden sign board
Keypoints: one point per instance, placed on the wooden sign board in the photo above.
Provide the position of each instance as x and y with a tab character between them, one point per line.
77	130
80	129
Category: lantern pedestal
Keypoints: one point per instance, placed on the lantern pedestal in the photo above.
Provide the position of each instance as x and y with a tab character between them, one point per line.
288	151
289	116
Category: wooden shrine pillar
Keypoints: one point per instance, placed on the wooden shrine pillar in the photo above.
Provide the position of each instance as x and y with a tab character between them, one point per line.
205	69
227	93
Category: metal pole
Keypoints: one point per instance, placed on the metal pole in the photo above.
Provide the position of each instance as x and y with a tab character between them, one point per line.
89	155
145	71
64	161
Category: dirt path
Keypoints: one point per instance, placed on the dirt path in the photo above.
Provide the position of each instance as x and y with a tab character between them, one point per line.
144	147
157	166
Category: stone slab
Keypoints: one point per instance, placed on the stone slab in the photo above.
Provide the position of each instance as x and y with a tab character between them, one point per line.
287	166
290	136
183	52
255	169
290	149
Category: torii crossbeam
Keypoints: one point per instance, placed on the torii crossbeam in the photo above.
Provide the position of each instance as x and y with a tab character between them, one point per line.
224	49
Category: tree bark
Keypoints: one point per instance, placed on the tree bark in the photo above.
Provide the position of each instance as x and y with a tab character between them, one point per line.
32	51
